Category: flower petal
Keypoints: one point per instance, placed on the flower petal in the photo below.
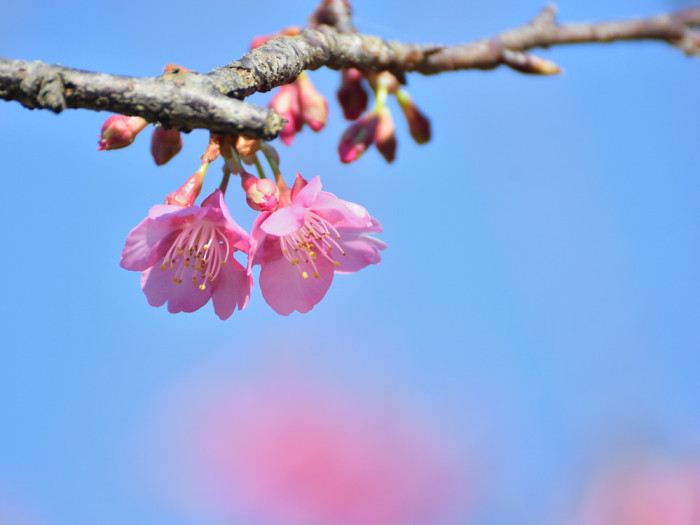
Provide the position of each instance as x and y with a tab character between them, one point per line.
285	290
360	251
342	214
147	244
257	238
284	221
159	287
231	289
303	193
236	235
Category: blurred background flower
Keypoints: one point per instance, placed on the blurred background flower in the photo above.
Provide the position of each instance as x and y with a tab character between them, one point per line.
649	491
292	450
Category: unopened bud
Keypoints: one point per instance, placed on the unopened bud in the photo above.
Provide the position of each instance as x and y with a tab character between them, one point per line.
352	95
358	137
531	64
418	124
165	144
313	105
385	135
286	103
119	131
260	194
186	194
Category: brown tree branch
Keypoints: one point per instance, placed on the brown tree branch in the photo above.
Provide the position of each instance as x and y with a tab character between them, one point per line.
186	100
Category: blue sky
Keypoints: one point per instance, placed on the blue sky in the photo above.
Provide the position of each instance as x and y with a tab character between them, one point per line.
539	300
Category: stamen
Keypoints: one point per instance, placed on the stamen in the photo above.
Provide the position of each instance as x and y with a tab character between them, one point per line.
313	239
204	265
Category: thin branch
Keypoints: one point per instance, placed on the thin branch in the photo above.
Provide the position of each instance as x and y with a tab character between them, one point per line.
187	100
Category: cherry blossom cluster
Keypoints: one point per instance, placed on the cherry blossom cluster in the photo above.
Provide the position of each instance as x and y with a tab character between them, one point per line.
301	239
303	235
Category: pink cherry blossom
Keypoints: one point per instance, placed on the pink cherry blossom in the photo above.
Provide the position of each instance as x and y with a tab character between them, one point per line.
301	245
186	257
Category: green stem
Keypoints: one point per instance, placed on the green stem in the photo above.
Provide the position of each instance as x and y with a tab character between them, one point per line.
203	168
259	167
380	97
224	181
273	165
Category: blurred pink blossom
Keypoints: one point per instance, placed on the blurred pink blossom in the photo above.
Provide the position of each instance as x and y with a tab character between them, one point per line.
648	493
286	454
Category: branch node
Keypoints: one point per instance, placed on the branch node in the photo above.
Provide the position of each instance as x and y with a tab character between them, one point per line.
41	87
690	43
546	17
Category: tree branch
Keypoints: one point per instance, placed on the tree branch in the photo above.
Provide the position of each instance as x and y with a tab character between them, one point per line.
187	100
178	99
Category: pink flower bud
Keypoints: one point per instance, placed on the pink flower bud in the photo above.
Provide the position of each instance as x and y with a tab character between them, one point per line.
313	105
286	103
358	137
260	194
352	94
119	131
385	136
165	144
186	194
418	124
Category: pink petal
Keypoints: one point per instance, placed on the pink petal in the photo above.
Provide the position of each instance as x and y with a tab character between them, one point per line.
258	237
159	210
285	290
217	211
232	288
284	221
159	287
360	251
147	244
306	195
343	214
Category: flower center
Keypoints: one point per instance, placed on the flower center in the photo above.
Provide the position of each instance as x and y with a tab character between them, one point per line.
316	237
200	250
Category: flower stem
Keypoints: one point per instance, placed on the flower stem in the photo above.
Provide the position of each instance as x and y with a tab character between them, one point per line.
259	167
224	180
273	165
203	168
380	96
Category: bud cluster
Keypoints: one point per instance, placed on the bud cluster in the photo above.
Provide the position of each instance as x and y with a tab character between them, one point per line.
376	126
